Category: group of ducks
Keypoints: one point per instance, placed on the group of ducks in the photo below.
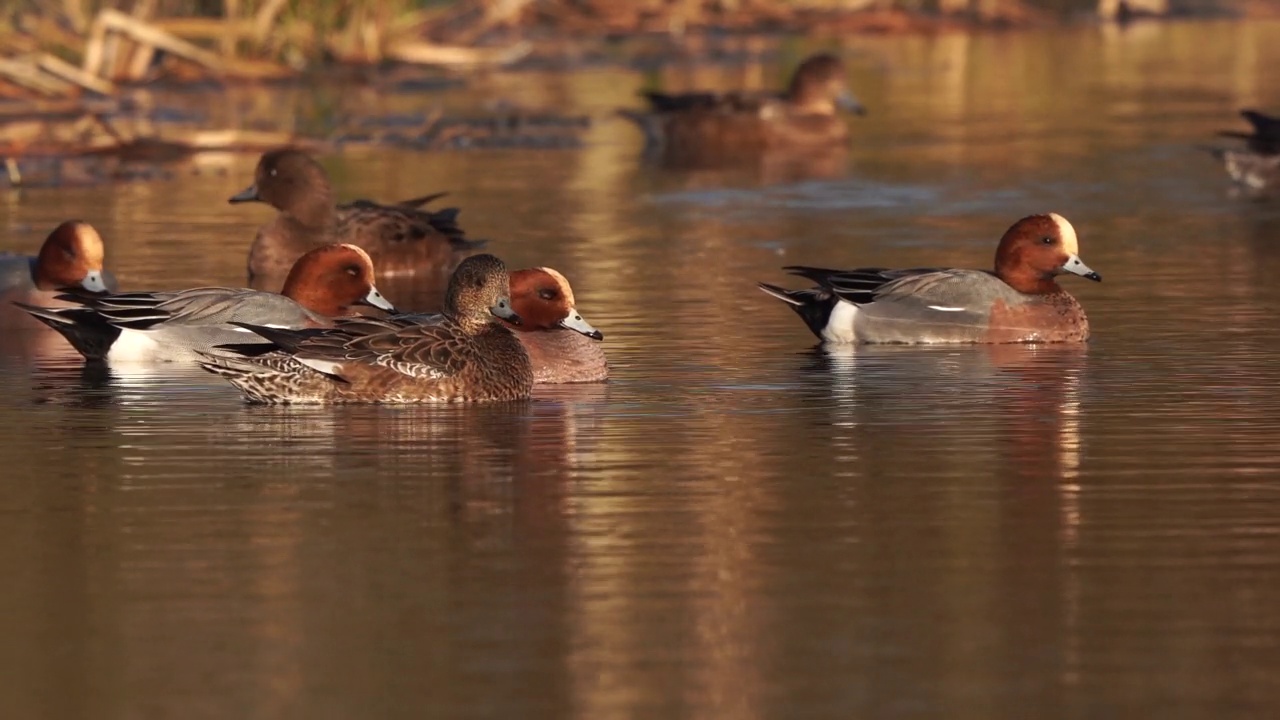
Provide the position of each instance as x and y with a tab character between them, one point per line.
499	333
329	335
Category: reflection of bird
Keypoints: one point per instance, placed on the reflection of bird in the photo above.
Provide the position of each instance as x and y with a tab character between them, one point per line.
1249	168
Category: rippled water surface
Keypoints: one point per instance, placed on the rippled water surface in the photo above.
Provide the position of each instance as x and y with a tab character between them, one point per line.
735	525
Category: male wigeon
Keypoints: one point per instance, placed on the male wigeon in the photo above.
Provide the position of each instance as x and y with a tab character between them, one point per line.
806	114
401	238
71	257
171	326
563	347
466	354
1019	301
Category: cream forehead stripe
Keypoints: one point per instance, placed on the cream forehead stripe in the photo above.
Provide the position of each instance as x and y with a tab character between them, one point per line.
89	242
1070	242
564	284
369	261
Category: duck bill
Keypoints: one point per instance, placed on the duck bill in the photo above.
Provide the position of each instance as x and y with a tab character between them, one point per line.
249	194
574	321
93	282
847	102
1076	266
503	310
375	299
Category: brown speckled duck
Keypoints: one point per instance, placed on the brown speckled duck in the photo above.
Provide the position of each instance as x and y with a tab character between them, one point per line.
805	115
401	238
563	347
465	354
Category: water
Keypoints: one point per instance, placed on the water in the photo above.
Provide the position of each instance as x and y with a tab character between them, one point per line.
734	526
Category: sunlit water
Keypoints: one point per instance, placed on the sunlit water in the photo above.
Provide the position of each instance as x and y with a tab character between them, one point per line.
734	526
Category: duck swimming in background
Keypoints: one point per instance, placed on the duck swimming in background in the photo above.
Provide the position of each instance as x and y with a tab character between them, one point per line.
804	116
400	238
172	326
1019	302
466	354
70	258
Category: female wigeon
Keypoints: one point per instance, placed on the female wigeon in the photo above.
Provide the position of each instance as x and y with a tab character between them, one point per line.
71	258
806	114
563	347
466	354
1019	302
171	326
401	238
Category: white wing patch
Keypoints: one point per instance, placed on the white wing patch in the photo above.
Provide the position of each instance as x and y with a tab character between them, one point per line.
944	308
327	367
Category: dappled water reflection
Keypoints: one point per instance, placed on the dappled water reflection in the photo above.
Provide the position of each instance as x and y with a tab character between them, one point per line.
736	525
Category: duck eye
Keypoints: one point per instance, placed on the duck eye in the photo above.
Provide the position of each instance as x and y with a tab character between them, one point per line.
274	172
1047	240
353	271
547	294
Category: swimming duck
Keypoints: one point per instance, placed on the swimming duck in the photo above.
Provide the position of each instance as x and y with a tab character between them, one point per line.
1020	301
400	238
71	257
465	354
806	114
563	347
172	326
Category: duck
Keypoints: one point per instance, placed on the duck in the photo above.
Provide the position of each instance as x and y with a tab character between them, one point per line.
466	354
805	115
1256	166
172	326
562	346
1019	301
1265	138
402	238
71	257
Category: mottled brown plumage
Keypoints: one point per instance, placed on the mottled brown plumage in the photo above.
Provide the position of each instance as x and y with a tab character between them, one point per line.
401	238
465	354
805	115
563	347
